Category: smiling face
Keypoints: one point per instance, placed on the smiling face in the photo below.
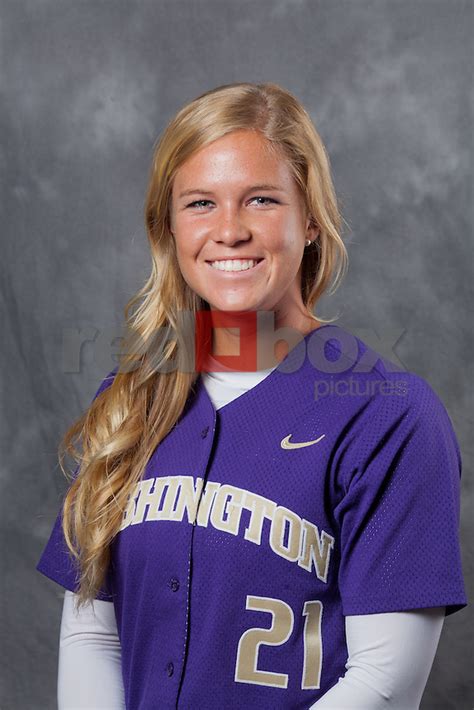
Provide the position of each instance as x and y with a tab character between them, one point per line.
241	202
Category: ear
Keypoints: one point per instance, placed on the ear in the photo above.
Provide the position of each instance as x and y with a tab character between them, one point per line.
312	230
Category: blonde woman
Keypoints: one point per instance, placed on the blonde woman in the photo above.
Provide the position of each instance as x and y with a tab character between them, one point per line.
264	512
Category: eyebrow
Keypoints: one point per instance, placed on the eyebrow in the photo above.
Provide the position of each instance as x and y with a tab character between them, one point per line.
263	186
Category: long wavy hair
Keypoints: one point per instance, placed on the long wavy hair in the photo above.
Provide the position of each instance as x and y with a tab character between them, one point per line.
116	436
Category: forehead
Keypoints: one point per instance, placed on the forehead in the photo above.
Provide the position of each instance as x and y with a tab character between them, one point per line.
234	159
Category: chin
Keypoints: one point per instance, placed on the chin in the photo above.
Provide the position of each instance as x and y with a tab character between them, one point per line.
231	307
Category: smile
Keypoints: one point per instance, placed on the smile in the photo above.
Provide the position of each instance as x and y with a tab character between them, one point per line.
235	266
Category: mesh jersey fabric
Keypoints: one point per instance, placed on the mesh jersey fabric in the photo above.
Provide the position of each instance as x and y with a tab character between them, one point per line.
363	521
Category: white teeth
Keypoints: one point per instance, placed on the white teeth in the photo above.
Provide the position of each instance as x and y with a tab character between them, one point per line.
233	265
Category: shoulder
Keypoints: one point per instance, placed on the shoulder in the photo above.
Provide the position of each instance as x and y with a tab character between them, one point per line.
106	382
379	383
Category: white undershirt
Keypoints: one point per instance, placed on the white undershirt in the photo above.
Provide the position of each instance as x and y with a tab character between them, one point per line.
390	654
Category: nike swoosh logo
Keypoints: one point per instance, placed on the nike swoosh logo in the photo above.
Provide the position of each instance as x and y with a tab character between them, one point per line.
287	444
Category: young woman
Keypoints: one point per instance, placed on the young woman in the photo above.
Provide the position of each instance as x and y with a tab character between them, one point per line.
265	511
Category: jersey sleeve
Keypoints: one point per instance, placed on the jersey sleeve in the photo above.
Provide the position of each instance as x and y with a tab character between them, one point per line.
398	517
56	562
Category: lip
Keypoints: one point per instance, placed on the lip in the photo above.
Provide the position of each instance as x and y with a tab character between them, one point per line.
236	258
236	274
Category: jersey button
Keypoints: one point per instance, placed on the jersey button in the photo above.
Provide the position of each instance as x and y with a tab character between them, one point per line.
170	669
174	584
204	432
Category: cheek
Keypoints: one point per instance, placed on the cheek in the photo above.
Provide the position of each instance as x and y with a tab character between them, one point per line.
284	237
188	241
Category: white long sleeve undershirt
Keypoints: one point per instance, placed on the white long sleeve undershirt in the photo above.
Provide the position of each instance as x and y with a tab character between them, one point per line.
90	660
390	654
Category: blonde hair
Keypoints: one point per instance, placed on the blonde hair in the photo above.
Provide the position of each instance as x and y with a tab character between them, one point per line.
128	419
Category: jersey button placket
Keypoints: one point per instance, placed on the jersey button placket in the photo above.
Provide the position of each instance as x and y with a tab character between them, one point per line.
174	584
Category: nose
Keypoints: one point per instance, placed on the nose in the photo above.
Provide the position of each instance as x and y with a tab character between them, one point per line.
230	227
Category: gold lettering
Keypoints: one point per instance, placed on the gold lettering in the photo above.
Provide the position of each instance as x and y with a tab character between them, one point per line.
188	498
148	500
166	512
260	509
129	510
246	667
315	549
281	518
205	503
228	502
313	647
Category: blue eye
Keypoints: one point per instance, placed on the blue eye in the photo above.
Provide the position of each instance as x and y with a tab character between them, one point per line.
196	202
268	199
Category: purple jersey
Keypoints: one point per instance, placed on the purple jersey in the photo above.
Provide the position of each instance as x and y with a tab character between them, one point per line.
330	488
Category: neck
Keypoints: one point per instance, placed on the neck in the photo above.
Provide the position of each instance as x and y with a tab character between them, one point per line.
256	340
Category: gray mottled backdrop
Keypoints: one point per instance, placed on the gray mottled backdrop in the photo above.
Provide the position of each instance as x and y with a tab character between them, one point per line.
86	87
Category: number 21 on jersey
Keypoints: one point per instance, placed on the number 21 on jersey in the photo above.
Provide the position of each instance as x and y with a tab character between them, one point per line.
246	670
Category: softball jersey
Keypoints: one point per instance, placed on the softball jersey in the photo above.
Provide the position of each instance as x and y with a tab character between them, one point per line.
329	489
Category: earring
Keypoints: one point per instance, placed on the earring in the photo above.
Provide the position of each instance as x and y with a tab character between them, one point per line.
308	242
